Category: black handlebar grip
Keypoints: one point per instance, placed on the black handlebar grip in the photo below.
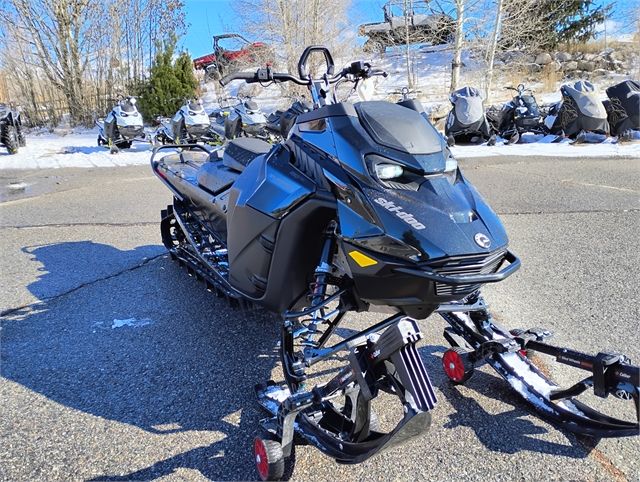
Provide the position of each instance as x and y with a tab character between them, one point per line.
247	76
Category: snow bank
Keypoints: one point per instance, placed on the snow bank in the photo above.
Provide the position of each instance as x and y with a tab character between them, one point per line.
542	146
76	149
80	149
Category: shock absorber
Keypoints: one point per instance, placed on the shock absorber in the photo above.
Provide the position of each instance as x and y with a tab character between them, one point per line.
319	285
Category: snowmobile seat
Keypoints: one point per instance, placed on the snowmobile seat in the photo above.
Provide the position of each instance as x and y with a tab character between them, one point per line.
215	177
240	152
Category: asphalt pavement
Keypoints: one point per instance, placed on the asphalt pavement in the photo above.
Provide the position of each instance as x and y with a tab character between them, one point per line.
116	365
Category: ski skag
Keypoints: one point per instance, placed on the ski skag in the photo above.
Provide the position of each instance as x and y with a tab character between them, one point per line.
361	206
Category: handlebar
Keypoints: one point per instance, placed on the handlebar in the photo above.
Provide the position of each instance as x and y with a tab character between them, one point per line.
262	75
356	69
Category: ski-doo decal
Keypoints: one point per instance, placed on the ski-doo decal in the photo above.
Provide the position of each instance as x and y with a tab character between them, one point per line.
405	216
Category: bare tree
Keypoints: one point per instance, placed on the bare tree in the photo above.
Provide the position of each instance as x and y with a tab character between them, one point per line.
457	46
291	25
492	47
77	55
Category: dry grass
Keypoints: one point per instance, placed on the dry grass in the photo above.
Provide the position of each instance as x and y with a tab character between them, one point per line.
549	78
590	47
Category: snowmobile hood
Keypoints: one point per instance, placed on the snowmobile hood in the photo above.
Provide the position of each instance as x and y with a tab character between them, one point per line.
440	219
585	96
131	118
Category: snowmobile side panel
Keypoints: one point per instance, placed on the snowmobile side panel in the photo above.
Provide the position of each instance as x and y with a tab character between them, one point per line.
274	224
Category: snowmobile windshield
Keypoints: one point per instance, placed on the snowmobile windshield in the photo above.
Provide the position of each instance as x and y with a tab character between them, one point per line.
622	91
585	97
406	130
251	107
530	103
127	107
195	106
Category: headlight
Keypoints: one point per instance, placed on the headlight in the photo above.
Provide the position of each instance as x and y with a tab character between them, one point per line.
386	172
192	113
123	114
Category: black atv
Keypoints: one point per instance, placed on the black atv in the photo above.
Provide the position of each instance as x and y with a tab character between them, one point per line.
11	134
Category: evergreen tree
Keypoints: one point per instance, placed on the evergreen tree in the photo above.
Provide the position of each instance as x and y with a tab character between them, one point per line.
543	24
170	82
184	71
577	20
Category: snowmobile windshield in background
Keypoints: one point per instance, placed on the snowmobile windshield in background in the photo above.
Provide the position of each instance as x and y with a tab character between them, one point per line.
195	106
126	106
531	104
251	106
623	90
404	130
584	94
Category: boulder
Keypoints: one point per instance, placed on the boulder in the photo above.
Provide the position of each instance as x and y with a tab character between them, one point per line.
554	66
570	66
543	59
586	65
590	57
534	68
600	73
563	57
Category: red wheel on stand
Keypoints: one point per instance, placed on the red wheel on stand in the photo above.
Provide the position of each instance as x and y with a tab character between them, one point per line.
456	365
270	461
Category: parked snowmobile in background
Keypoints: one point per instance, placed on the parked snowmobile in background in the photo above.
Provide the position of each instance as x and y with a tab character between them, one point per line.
580	115
11	134
518	116
280	122
243	118
361	207
190	124
466	121
122	126
623	108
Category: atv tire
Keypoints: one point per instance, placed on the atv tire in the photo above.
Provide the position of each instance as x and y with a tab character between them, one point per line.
22	141
9	137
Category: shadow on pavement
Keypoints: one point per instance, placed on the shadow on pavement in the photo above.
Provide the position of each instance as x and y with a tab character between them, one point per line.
151	348
190	366
68	265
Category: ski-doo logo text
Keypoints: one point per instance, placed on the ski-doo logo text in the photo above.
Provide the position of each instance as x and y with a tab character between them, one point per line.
406	217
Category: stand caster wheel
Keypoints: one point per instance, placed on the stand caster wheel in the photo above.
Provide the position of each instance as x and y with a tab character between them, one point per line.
456	365
270	461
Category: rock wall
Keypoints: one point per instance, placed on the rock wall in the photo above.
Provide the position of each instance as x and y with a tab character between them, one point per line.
574	65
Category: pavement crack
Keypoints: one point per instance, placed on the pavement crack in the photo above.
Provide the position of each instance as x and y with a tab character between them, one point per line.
143	263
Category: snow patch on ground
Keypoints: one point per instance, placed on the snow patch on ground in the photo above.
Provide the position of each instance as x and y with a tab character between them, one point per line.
75	149
544	147
80	149
132	322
